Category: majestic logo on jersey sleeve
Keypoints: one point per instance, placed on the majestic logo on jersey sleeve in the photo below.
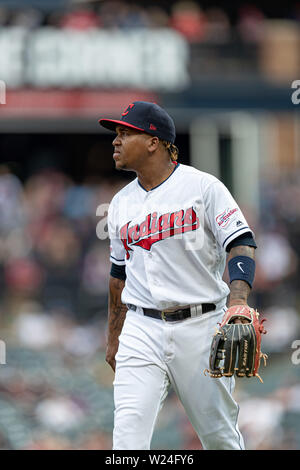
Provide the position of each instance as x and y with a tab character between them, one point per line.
154	229
224	218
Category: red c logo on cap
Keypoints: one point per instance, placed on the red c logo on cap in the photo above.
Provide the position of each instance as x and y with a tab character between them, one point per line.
127	109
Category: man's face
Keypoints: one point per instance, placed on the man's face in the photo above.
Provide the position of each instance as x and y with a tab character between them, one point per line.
130	148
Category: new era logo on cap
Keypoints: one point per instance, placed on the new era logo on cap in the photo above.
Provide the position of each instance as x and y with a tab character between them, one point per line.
146	117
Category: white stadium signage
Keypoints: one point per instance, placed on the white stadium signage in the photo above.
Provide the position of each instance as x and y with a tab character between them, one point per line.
51	57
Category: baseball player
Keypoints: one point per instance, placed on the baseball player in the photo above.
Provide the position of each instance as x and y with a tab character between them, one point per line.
170	229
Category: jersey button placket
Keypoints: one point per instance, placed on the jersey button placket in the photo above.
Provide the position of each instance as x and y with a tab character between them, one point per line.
148	261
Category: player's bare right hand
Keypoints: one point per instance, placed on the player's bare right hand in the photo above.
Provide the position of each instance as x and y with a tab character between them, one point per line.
111	351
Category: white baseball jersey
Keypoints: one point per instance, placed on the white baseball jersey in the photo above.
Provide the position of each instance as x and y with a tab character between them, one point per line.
172	239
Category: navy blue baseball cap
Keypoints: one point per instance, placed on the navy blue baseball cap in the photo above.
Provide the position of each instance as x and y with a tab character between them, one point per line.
146	117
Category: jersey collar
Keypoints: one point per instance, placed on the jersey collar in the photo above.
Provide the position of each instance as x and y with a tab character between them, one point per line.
176	166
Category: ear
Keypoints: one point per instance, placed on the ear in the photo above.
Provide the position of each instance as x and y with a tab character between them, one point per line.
153	144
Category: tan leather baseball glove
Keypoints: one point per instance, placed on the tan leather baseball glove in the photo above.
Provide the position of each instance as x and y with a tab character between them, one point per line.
236	347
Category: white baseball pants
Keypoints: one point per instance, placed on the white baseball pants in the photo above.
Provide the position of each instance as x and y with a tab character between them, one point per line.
154	353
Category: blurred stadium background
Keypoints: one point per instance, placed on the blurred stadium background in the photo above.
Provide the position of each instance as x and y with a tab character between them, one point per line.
225	74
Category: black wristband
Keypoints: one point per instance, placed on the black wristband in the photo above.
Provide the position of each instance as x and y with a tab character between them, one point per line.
242	268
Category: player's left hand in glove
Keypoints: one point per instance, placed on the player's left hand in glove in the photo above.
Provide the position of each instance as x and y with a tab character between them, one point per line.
235	347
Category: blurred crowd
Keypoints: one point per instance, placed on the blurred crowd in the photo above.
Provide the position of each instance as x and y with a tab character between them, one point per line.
49	251
56	389
188	17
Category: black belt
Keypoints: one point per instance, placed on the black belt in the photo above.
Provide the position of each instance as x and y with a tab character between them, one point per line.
171	316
